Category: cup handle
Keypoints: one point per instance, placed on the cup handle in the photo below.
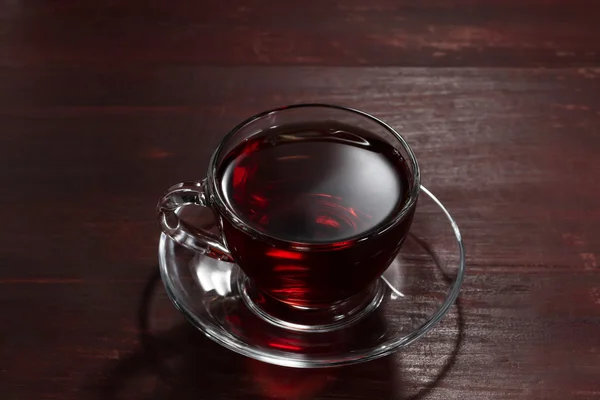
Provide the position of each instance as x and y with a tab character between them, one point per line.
189	194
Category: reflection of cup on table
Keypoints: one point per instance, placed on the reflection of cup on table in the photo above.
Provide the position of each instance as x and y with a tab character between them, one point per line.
313	202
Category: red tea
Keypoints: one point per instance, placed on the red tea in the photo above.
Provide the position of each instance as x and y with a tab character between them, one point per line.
322	184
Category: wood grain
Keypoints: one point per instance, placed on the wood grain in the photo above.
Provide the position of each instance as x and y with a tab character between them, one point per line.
312	32
103	105
510	152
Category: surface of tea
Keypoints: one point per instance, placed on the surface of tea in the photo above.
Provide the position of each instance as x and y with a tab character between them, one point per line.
315	183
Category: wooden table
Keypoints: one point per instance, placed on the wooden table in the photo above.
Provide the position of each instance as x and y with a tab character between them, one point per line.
104	104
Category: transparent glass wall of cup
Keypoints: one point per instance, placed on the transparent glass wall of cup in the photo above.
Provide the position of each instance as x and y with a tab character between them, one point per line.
332	272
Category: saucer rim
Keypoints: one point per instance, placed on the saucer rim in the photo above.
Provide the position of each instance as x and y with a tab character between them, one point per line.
285	359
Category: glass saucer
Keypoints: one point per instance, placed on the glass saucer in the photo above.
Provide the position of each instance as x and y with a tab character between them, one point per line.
415	293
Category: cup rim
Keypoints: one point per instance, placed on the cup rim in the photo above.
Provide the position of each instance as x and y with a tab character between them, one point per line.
224	209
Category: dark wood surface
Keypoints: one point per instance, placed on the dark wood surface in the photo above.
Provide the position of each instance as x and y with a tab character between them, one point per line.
103	105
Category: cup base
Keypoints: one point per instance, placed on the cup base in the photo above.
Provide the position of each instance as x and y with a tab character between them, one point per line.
329	318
